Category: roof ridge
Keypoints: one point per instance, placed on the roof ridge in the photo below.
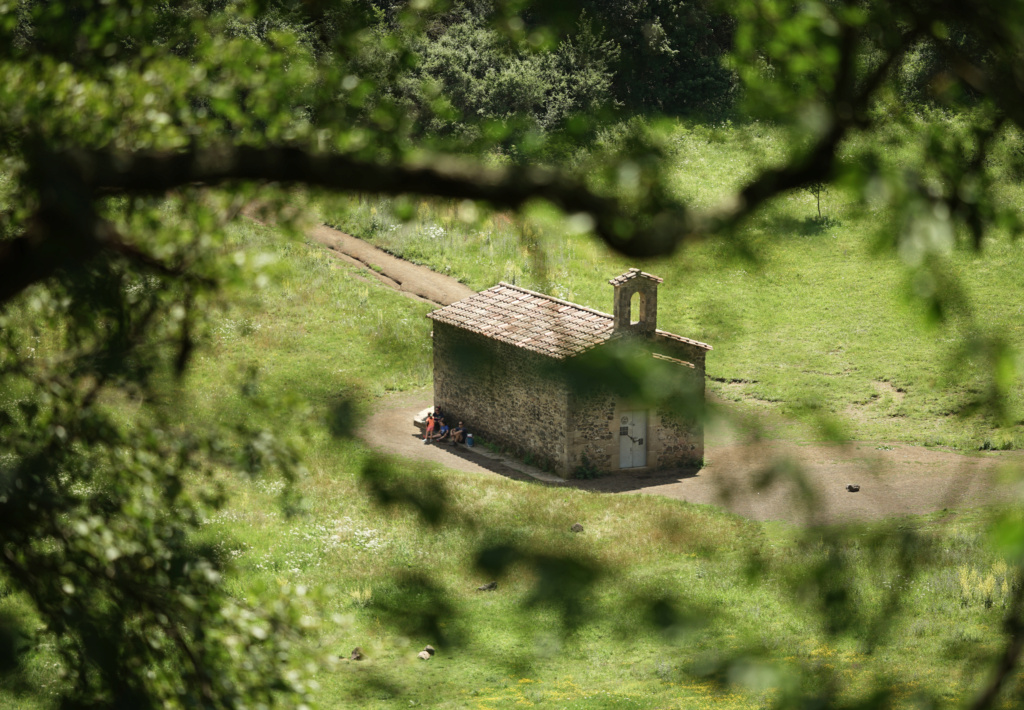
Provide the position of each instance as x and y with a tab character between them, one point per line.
633	273
552	298
659	331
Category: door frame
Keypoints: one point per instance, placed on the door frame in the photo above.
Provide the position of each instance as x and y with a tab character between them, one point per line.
629	422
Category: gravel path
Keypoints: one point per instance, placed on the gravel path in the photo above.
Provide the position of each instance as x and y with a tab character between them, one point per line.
895	479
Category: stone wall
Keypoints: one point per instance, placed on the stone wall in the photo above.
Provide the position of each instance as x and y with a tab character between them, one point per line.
673	441
681	432
675	436
679	441
681	350
516	399
505	395
594	431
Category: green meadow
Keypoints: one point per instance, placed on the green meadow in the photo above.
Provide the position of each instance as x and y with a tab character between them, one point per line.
816	330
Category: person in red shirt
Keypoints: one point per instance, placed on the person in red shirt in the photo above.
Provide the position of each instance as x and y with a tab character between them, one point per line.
430	428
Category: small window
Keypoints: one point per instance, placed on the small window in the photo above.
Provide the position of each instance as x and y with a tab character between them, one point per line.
634	309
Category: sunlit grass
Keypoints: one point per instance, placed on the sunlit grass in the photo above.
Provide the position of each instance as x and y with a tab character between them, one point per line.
500	652
817	324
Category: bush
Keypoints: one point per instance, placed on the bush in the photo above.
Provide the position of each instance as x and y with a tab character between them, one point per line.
470	75
586	470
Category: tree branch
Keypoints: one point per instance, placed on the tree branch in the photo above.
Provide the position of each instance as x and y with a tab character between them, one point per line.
108	171
848	111
38	255
655	226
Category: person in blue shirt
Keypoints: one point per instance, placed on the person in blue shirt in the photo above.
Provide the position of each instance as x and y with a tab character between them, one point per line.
458	434
444	431
441	430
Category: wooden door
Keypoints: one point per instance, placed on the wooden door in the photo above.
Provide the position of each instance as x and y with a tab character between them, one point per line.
633	439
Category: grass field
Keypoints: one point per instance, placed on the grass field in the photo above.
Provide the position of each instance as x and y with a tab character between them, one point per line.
665	604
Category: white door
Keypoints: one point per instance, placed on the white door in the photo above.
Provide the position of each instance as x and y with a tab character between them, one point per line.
633	439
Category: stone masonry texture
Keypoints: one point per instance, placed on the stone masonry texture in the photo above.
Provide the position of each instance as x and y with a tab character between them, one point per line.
505	395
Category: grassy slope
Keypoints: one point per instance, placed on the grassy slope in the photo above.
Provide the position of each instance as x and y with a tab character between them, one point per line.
323	334
509	655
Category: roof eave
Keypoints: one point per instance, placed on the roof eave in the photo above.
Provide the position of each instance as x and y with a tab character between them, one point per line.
682	339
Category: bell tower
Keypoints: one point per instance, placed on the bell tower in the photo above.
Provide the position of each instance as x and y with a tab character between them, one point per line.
636	302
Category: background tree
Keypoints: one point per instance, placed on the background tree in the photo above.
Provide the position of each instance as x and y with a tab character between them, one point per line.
815	189
671	54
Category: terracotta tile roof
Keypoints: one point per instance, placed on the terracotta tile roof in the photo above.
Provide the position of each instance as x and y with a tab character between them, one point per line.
632	274
531	320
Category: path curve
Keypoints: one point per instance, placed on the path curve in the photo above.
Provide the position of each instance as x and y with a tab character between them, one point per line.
895	479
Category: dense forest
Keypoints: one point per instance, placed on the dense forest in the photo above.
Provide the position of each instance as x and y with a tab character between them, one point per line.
484	62
187	515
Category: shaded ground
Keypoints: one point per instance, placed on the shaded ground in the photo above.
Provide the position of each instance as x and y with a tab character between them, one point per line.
390	429
895	479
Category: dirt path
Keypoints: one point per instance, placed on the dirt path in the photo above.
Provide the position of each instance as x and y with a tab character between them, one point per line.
895	479
761	481
411	279
391	430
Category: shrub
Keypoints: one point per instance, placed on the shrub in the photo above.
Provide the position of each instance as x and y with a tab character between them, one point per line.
586	469
979	588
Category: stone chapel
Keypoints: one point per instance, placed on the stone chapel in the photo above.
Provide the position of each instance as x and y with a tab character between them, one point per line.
512	364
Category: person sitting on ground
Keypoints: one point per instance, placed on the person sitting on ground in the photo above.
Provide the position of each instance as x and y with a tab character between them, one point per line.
429	434
459	435
443	433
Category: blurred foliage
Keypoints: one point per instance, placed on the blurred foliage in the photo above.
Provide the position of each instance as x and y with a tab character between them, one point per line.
131	131
670	54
